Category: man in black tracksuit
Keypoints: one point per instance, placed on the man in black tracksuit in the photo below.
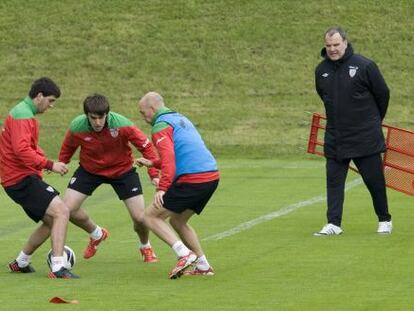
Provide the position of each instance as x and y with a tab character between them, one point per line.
356	98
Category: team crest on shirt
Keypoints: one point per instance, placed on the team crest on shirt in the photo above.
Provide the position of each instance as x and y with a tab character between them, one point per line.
114	132
72	180
352	71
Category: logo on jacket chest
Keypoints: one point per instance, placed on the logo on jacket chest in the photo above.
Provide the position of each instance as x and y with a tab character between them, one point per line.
114	132
352	71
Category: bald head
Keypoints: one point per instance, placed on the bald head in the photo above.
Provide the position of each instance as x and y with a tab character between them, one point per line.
149	105
152	99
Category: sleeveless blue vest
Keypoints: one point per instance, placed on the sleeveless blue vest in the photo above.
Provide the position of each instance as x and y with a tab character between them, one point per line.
191	154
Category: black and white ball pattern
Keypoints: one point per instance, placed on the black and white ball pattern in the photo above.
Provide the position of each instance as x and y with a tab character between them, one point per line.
70	258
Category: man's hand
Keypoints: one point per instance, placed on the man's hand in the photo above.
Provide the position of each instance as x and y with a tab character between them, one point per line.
158	199
143	162
155	181
60	168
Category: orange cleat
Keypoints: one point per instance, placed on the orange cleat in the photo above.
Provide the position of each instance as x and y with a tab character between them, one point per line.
182	264
91	249
148	254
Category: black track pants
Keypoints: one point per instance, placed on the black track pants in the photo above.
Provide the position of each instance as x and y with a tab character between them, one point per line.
370	168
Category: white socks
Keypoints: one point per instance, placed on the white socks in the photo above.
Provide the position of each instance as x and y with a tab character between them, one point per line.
148	244
57	263
96	234
23	260
202	263
180	249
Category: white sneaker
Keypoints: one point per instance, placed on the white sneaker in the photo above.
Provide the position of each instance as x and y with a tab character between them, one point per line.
384	227
329	229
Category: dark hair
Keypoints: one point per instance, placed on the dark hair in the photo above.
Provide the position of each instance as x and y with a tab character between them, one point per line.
45	86
96	104
336	29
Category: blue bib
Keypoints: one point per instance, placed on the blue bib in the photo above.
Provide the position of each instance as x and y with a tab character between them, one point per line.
191	154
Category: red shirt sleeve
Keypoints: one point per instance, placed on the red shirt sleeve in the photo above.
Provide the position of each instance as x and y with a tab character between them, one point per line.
144	145
163	141
68	148
21	134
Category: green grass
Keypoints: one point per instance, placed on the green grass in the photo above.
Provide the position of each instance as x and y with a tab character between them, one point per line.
242	70
276	265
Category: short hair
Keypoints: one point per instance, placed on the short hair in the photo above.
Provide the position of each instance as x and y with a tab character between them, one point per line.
96	104
46	86
336	29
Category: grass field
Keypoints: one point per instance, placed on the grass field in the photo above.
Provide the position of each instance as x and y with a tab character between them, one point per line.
243	71
274	265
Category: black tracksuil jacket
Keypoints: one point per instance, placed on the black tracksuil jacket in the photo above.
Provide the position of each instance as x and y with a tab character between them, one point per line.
356	98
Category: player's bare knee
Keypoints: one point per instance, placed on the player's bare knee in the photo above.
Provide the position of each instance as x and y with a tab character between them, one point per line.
138	218
62	210
57	209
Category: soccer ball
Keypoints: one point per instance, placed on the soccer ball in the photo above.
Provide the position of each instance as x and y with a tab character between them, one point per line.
68	254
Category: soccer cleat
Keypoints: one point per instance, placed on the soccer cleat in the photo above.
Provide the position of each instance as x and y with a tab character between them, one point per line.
91	249
329	229
197	271
148	254
384	227
182	264
14	267
63	273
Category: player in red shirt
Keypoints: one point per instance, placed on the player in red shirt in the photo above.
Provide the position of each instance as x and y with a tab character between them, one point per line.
21	164
104	139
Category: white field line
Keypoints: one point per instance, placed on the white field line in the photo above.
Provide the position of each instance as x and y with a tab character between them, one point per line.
283	211
249	224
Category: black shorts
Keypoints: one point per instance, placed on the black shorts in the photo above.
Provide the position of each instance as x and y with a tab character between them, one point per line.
33	194
126	186
182	196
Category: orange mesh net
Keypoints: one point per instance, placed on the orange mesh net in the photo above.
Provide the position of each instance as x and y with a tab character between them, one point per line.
398	158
